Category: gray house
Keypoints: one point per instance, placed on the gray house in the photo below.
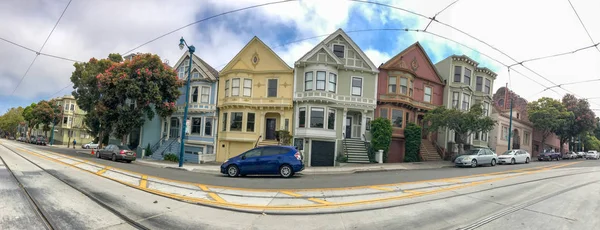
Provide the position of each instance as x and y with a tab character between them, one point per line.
467	84
334	101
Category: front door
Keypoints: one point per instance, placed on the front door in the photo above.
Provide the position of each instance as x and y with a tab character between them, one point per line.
174	132
348	127
270	127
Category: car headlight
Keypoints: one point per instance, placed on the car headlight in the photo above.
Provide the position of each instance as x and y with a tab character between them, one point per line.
225	161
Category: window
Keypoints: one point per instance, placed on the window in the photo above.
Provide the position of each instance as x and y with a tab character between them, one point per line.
302	118
368	125
194	98
403	85
235	87
356	86
210	149
205	94
250	122
427	96
224	121
465	101
410	88
407	117
331	119
227	88
457	70
486	108
332	82
196	125
467	76
487	86
517	115
308	81
476	136
479	84
181	72
455	99
236	122
272	88
504	133
287	124
397	118
526	138
247	87
72	107
383	112
254	153
392	85
484	136
316	117
195	75
321	80
338	50
65	120
208	124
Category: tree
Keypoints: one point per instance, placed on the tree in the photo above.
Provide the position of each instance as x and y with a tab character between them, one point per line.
463	123
29	117
548	116
47	113
582	120
381	132
590	142
11	120
412	135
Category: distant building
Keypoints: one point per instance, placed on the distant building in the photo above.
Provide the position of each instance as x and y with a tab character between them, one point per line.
522	128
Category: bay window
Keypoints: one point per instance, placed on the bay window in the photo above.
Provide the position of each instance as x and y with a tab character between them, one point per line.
392	85
308	81
317	117
235	87
332	82
247	87
321	80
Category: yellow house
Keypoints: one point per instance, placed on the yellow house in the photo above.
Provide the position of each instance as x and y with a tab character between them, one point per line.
254	100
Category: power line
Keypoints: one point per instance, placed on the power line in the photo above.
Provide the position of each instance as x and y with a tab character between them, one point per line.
205	19
580	21
559	54
434	16
37	54
57	92
43	54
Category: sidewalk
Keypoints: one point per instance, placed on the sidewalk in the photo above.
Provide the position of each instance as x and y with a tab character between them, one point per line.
214	168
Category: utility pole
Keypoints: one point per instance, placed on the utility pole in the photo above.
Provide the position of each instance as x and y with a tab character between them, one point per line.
510	122
191	50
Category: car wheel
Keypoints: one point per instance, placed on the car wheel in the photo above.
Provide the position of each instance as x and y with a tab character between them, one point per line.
527	160
128	161
285	171
493	162
114	157
512	161
233	171
473	163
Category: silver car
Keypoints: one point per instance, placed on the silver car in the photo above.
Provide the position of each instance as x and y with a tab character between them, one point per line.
475	157
514	156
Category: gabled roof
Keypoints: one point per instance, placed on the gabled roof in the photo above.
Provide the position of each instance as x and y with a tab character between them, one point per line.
235	59
417	45
340	32
317	48
199	65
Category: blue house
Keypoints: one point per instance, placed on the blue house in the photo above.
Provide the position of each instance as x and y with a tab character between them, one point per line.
163	134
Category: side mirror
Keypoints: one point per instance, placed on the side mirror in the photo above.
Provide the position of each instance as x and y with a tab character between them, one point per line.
244	157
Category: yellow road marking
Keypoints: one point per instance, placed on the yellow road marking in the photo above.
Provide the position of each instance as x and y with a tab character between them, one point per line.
320	201
382	188
144	181
76	163
102	171
203	187
216	197
291	193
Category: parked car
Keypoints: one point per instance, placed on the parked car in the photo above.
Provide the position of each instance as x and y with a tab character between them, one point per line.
90	145
514	156
592	154
475	157
40	140
32	140
548	156
283	160
580	154
570	155
117	153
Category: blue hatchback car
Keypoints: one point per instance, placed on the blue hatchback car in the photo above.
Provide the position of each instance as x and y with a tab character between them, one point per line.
282	160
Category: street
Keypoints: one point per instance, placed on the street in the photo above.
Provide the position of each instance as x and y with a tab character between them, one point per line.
75	191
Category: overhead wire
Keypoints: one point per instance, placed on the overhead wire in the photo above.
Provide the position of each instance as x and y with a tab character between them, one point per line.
439	12
583	25
40	53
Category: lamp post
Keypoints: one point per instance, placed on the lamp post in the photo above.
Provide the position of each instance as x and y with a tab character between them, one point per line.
191	49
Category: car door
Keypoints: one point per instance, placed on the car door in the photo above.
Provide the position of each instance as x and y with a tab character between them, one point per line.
269	160
483	157
107	152
249	162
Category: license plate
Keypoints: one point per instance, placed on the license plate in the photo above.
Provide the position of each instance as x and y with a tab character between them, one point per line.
129	154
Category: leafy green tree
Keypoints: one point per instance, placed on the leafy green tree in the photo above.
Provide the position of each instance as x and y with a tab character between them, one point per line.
412	135
582	120
548	116
31	120
47	113
381	137
590	142
11	120
463	123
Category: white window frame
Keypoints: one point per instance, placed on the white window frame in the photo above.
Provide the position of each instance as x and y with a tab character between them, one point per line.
334	83
276	88
192	94
468	100
430	93
238	87
502	136
362	83
312	80
227	88
331	110
464	72
400	91
300	110
244	88
212	131
195	75
192	125
323	109
324	80
395	84
486	108
207	96
332	50
458	101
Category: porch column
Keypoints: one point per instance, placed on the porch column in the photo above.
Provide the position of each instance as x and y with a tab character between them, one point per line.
281	121
262	123
363	122
344	114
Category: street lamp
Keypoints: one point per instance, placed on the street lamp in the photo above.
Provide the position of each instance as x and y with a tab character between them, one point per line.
191	49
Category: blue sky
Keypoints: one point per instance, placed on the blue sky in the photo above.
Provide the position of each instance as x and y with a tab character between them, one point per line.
96	28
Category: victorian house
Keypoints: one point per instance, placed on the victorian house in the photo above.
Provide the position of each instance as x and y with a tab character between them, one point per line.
255	100
522	129
466	84
334	101
409	85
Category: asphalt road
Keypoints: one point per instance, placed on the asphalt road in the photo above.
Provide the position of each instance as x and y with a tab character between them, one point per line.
307	181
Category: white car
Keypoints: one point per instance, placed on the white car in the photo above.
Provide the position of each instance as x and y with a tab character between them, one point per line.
475	157
570	155
592	155
90	145
581	154
514	156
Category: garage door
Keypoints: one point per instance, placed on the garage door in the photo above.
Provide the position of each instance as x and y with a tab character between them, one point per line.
322	153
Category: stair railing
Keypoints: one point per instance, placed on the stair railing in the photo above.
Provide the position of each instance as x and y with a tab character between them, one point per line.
367	146
344	144
257	140
157	144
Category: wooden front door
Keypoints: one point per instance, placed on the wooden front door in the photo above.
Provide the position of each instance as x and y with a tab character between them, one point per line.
270	129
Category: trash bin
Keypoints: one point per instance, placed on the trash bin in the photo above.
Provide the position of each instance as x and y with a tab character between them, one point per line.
379	156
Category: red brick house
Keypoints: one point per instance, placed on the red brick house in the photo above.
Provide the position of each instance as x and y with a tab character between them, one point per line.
408	86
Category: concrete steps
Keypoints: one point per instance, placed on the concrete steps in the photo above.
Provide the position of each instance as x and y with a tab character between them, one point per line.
355	150
428	151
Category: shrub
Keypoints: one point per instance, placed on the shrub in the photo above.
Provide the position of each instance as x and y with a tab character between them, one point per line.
171	157
381	132
412	135
284	137
148	150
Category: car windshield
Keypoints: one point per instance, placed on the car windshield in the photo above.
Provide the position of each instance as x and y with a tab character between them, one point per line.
123	147
509	152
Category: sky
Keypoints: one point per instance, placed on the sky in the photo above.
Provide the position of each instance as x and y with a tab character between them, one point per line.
521	29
